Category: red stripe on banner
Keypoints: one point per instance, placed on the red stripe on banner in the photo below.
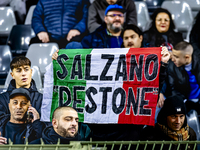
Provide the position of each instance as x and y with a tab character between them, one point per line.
143	87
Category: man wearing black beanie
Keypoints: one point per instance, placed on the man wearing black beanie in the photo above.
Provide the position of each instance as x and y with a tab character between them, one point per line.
171	125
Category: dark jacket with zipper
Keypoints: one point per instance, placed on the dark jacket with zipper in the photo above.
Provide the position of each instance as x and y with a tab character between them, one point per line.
36	98
49	136
33	130
178	79
100	39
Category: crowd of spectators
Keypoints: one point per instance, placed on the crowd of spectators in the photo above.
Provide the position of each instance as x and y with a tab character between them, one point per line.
103	24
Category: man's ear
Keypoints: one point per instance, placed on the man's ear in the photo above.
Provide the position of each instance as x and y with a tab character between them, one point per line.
54	123
141	37
105	19
12	74
187	58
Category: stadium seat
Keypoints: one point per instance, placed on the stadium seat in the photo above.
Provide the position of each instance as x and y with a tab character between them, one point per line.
35	75
7	20
142	15
152	5
19	39
193	122
40	55
181	14
29	15
194	5
5	59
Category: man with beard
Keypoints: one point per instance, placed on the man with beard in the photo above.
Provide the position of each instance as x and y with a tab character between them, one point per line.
97	9
23	122
64	127
109	34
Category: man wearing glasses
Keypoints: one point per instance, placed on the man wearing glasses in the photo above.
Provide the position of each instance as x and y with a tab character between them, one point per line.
109	34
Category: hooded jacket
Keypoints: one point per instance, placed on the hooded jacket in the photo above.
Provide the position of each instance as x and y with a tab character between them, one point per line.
33	130
36	98
49	136
97	9
58	17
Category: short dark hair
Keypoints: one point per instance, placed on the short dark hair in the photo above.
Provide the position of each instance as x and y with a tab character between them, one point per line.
134	28
58	109
183	45
19	61
154	15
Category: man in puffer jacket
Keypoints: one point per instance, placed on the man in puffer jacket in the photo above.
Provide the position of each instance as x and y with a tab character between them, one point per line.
22	77
60	21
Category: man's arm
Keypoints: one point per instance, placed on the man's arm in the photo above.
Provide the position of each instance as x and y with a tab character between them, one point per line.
38	19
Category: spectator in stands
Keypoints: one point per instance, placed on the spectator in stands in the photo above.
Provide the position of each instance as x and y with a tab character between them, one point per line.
108	35
184	75
195	34
60	21
65	127
171	126
98	7
18	125
22	77
161	31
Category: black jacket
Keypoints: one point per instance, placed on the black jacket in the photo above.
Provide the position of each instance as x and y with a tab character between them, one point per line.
178	79
33	130
49	136
98	39
156	134
36	98
153	38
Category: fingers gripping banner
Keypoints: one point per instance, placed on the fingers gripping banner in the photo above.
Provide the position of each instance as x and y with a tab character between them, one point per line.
108	85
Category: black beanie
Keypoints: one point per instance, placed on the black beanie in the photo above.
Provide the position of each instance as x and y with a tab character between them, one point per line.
172	105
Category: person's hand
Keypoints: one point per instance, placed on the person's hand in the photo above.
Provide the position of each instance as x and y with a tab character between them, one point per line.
161	100
34	112
165	54
72	33
43	36
55	55
3	140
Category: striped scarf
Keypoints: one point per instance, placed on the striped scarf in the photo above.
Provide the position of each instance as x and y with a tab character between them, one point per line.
181	135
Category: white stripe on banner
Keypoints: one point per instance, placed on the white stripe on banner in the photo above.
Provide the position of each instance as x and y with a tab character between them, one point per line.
96	69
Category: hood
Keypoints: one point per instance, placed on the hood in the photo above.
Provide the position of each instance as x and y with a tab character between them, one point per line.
49	136
12	86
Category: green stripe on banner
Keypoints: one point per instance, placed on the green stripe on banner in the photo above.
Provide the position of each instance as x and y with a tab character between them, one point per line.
67	83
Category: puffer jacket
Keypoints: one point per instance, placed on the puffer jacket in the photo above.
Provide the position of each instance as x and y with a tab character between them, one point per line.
36	98
58	17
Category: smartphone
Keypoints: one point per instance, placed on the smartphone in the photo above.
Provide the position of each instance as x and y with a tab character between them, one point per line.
29	116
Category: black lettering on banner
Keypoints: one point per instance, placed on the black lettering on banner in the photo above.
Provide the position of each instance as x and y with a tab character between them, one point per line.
151	58
145	111
103	76
132	101
62	76
136	67
64	90
105	91
77	101
88	93
118	110
87	69
121	62
77	60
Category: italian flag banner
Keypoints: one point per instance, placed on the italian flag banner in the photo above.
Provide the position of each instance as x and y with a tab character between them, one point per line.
117	86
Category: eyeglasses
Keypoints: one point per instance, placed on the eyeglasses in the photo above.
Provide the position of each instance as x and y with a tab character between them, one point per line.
115	15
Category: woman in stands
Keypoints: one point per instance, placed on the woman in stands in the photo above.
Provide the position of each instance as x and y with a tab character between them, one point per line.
161	32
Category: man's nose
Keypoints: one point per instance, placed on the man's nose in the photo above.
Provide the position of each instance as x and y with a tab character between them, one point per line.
74	123
19	105
178	120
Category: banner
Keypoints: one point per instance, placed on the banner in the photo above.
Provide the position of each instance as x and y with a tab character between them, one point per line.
108	85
